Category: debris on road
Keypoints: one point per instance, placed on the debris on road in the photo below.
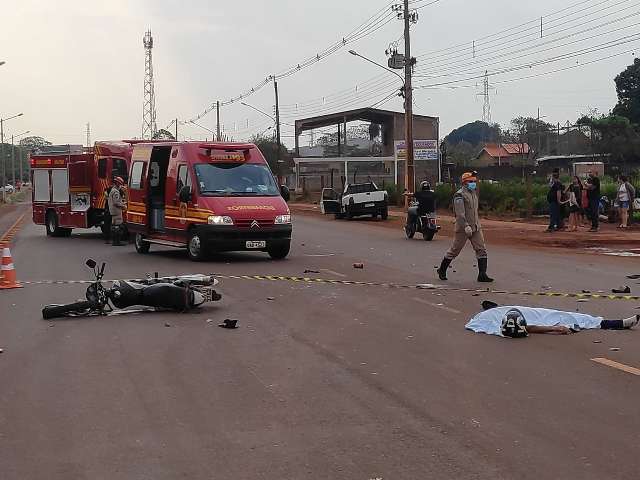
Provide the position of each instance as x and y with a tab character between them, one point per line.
614	349
271	299
586	291
622	289
597	341
1	350
229	323
311	271
167	324
635	276
358	265
209	320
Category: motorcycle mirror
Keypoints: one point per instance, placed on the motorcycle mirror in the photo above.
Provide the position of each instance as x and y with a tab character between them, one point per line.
91	263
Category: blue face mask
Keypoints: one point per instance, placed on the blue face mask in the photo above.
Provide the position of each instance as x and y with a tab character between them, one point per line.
472	186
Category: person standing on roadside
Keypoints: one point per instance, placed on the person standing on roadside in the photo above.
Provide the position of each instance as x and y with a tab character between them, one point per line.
467	227
593	194
626	195
574	192
116	208
554	197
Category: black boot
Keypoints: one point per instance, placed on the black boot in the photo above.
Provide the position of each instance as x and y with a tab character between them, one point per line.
115	233
442	271
482	271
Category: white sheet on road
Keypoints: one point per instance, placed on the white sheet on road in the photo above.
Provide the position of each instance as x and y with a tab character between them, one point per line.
489	321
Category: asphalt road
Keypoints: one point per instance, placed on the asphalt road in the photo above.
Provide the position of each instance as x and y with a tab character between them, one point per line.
320	381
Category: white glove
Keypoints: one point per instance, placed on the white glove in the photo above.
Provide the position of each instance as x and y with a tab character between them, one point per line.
468	231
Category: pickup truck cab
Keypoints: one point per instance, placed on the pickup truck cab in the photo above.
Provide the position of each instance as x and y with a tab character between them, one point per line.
356	200
206	197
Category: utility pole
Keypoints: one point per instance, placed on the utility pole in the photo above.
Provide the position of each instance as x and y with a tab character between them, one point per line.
279	160
4	181
538	129
13	163
217	121
408	100
176	129
88	135
149	127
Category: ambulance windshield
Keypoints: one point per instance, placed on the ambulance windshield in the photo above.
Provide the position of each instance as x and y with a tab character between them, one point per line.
235	179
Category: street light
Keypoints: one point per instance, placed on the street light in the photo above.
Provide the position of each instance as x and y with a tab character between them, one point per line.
408	118
258	110
205	128
4	173
353	52
13	157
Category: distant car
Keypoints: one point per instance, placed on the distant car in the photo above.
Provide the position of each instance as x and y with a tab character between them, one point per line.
8	188
357	199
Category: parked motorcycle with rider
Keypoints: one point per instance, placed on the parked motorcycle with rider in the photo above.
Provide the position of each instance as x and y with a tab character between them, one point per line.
181	293
421	216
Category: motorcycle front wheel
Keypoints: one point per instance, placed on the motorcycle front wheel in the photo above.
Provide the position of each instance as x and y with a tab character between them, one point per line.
428	235
56	311
410	229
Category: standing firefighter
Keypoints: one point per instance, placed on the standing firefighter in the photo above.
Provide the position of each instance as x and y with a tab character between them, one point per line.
467	227
116	208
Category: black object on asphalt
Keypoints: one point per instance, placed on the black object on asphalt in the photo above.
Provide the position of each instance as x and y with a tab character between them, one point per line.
623	289
311	271
635	276
228	323
488	305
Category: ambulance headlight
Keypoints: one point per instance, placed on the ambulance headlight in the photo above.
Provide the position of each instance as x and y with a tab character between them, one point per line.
219	220
283	219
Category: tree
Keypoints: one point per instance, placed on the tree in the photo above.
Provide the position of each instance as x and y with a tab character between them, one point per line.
474	133
33	143
628	90
163	134
269	148
616	136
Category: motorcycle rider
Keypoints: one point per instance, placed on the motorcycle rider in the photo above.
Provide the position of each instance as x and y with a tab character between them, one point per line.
467	227
426	199
116	209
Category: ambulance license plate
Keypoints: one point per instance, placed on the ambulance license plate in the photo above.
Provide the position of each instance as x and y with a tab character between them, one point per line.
256	244
367	205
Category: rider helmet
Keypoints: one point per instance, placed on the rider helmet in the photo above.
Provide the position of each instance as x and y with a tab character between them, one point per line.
424	186
118	180
513	324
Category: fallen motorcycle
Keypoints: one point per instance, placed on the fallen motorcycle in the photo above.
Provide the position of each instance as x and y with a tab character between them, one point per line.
181	293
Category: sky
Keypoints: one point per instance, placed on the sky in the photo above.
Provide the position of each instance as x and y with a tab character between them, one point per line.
73	62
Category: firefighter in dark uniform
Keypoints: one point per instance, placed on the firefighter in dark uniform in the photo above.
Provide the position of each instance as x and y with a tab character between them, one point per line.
116	209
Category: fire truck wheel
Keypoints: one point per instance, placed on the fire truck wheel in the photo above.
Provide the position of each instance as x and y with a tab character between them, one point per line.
195	249
141	245
53	230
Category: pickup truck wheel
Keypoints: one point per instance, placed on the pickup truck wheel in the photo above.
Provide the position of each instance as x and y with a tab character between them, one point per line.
348	212
384	213
141	245
195	248
280	252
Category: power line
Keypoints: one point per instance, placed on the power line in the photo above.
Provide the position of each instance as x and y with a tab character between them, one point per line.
371	25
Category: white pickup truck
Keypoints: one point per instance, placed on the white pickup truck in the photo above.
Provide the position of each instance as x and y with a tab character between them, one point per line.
356	200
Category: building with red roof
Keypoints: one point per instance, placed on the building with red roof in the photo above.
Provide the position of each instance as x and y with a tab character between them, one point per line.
506	154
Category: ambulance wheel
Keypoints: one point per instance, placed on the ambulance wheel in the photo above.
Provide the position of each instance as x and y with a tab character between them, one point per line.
142	246
195	249
280	252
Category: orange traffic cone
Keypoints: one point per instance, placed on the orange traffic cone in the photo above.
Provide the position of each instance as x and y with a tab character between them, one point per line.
8	279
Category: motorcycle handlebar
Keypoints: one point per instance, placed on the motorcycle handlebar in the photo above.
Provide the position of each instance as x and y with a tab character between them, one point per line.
102	269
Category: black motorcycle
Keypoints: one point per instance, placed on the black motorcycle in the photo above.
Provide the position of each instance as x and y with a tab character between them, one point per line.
425	224
180	294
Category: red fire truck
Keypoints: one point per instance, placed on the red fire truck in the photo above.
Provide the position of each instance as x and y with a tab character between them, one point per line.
70	182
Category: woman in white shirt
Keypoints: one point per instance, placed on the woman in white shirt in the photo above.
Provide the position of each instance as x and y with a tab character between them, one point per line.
623	200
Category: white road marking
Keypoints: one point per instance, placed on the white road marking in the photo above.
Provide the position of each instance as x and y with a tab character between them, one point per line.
436	305
617	365
333	272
